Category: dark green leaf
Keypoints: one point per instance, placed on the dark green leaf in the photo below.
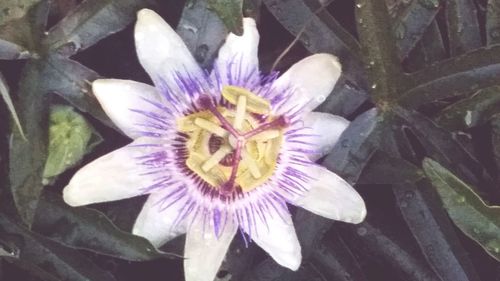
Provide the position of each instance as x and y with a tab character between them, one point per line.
429	50
472	111
89	229
463	26
467	210
4	92
72	81
230	12
401	259
323	34
411	24
379	48
90	22
345	98
440	144
202	31
495	124
336	262
47	257
433	231
427	221
458	76
385	169
11	51
493	22
27	158
356	145
69	139
23	24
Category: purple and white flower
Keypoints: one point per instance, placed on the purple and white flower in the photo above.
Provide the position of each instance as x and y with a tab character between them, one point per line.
219	151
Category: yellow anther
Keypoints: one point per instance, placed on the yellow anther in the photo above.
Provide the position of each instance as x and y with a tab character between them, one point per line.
241	106
216	158
215	177
254	103
252	165
211	127
266	135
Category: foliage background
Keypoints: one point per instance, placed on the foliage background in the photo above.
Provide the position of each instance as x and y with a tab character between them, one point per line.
421	86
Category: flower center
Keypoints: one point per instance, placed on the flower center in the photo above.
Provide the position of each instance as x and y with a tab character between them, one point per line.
233	146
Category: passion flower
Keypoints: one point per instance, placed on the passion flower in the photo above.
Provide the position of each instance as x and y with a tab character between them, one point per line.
219	151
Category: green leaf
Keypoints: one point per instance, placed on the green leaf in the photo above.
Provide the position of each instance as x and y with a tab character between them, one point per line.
69	137
46	258
411	24
495	140
15	9
440	144
4	92
89	229
428	50
463	26
90	22
382	245
11	51
385	169
493	22
356	145
230	12
72	81
23	24
454	77
467	210
471	111
202	31
27	158
319	32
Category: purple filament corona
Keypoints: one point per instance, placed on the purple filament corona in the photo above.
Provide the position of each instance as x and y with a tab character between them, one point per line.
165	152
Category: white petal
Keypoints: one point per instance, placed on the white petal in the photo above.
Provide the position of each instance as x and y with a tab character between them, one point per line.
161	51
239	53
119	98
326	131
204	252
157	220
312	80
279	240
332	197
114	176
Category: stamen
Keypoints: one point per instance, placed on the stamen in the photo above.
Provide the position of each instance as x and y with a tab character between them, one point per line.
216	158
279	122
252	165
255	103
211	127
266	135
208	104
240	112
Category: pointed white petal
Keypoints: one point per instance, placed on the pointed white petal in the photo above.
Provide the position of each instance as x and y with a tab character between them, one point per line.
119	98
161	51
277	237
332	197
326	131
157	220
204	252
312	80
239	53
114	176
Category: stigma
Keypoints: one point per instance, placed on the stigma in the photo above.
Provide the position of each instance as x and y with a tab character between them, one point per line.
233	145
